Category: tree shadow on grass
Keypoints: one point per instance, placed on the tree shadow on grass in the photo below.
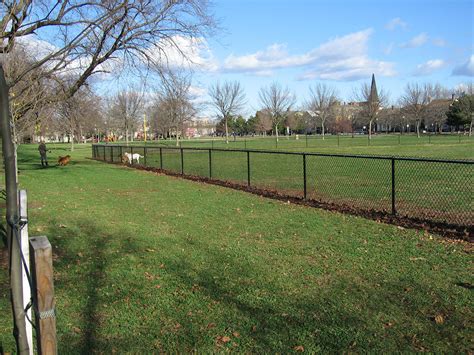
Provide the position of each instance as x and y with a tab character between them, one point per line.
275	321
89	259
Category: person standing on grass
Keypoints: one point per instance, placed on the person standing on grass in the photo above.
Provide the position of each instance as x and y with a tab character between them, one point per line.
42	150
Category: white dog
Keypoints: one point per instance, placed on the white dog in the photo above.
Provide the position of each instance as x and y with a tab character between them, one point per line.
131	157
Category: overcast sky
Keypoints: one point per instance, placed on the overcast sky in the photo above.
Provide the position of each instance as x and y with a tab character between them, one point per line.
302	42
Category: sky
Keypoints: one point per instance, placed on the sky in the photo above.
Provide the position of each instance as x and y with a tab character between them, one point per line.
299	43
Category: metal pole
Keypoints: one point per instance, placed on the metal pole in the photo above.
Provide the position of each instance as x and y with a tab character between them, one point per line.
131	154
306	139
182	162
161	158
144	155
394	210
105	158
304	177
121	154
210	163
112	154
248	168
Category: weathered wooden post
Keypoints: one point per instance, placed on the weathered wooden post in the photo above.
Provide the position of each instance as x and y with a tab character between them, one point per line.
41	260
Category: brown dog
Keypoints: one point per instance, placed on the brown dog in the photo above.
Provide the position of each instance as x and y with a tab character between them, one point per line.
63	161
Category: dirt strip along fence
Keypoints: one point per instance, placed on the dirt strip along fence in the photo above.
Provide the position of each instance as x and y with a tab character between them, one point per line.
432	190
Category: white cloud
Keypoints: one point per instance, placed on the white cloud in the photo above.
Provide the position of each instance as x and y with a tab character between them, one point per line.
197	91
69	63
340	58
416	41
181	51
465	69
388	49
429	67
354	68
394	23
439	42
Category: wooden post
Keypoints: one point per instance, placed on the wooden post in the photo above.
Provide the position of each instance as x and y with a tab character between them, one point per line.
41	260
22	198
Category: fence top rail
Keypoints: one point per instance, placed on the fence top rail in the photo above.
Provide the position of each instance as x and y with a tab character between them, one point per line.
264	151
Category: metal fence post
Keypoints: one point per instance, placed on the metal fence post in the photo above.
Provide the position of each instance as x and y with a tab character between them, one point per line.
304	177
338	139
306	139
161	158
248	168
144	155
182	162
131	155
105	159
210	163
121	154
112	154
394	210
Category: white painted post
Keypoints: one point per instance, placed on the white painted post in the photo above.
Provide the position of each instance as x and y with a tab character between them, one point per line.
25	249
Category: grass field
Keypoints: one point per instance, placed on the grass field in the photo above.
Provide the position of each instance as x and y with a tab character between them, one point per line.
146	262
434	191
436	146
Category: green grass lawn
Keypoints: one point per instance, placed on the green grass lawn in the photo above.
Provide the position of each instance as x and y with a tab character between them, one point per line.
146	262
436	146
434	191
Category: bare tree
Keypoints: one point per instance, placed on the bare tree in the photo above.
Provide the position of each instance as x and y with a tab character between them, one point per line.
415	101
126	108
277	101
321	104
228	99
176	101
87	35
372	101
77	114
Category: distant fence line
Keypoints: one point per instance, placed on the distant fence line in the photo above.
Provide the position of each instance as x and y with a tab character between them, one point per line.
434	190
313	141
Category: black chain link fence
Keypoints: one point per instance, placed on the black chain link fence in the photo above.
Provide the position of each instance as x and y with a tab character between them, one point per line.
425	189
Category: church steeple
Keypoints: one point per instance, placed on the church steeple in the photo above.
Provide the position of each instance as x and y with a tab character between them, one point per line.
374	97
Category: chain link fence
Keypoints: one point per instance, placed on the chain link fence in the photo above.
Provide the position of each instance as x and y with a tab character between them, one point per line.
425	189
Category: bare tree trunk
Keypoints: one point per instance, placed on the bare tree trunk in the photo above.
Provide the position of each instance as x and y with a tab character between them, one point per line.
11	187
72	140
370	129
322	128
276	131
126	136
470	126
177	137
418	128
226	132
